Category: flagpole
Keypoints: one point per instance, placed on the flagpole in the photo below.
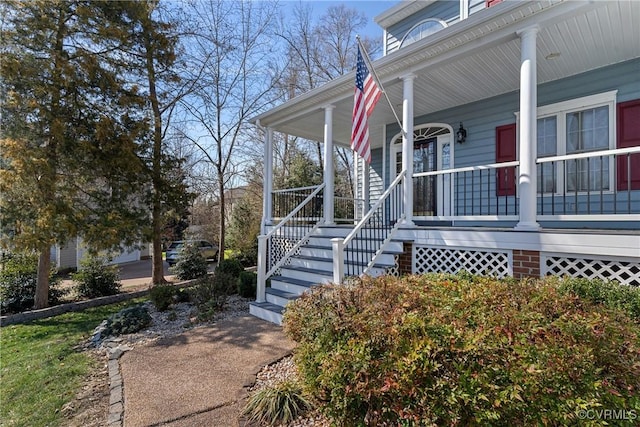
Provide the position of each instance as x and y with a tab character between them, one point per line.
377	80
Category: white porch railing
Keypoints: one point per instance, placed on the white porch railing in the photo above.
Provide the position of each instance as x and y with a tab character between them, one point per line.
589	186
473	192
357	253
593	186
283	240
348	210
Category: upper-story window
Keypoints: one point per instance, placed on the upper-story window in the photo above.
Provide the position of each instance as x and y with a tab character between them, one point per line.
422	30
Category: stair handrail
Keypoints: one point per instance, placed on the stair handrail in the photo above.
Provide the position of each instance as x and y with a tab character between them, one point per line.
339	245
375	206
263	274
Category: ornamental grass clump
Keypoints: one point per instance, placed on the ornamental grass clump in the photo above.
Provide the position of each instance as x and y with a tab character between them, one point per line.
463	350
277	404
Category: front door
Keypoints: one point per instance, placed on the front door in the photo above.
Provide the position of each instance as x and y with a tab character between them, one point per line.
431	152
424	187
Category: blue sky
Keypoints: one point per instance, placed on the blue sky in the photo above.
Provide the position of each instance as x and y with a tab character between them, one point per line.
371	8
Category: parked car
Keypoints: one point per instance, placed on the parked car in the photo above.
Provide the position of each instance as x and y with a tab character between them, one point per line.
208	250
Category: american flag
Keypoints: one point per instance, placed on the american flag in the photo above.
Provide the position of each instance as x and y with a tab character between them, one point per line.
366	96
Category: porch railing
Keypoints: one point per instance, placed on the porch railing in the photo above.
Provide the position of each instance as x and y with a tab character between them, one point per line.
285	201
283	240
358	252
348	210
471	193
591	186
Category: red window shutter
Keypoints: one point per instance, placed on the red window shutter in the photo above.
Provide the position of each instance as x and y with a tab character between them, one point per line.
490	3
628	130
506	152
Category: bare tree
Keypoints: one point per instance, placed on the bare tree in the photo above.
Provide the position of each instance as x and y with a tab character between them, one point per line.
231	45
319	52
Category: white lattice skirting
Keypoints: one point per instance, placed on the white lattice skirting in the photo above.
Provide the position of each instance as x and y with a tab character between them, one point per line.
429	259
625	272
278	247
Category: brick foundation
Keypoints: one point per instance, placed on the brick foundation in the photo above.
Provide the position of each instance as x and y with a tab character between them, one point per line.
526	263
405	260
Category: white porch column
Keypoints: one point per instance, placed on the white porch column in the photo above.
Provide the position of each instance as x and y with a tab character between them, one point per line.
267	185
527	181
407	146
329	177
366	183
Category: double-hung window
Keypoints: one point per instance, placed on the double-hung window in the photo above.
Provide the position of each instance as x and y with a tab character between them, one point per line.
573	129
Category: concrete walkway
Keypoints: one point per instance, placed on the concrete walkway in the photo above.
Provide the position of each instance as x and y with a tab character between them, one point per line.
198	378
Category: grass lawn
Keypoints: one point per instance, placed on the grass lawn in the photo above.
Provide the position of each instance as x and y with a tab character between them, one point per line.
41	368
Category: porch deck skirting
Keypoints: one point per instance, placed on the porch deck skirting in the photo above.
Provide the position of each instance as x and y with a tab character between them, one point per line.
590	254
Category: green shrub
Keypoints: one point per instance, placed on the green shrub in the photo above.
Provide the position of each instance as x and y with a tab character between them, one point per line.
610	294
128	321
18	280
279	404
162	296
96	279
191	264
230	266
247	283
211	293
462	350
247	257
182	295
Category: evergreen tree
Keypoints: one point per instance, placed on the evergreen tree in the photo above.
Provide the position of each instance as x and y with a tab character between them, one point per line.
72	129
150	43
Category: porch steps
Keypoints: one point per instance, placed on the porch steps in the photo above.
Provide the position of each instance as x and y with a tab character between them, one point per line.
267	311
312	266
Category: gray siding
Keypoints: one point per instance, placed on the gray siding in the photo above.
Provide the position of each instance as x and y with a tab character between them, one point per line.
447	11
376	185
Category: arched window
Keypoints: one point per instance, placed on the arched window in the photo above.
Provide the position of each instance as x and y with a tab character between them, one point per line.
422	30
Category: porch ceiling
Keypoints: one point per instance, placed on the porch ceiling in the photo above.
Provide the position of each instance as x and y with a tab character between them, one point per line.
473	60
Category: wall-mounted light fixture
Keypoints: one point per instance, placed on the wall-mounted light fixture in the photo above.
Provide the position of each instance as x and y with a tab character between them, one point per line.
461	134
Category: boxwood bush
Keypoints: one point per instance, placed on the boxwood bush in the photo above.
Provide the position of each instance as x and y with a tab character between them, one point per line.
463	350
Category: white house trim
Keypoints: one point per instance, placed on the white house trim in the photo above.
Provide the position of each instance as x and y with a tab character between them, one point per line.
561	241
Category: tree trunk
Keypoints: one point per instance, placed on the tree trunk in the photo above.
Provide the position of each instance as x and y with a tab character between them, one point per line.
157	272
157	269
222	220
42	284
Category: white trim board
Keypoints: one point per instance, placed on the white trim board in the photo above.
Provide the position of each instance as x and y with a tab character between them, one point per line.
615	244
